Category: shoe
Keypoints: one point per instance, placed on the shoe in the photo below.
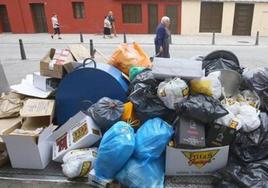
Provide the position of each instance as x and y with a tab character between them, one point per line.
52	36
59	38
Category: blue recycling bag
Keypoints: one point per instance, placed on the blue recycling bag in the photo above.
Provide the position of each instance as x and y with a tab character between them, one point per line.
139	173
152	138
116	147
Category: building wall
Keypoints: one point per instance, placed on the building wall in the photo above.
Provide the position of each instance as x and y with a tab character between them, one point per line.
191	18
21	21
260	21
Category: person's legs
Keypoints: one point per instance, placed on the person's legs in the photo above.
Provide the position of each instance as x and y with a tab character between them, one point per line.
58	31
54	33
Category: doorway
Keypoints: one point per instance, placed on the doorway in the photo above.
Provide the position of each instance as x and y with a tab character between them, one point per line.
4	21
153	17
243	19
172	13
39	17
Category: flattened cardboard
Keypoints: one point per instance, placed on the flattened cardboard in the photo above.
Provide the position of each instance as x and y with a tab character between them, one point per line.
182	68
4	85
5	125
37	108
79	52
80	131
195	161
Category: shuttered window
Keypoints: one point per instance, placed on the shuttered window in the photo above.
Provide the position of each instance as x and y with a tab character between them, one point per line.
211	17
78	10
132	13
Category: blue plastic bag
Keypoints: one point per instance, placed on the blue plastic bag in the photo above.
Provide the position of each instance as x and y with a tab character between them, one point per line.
116	147
138	173
152	138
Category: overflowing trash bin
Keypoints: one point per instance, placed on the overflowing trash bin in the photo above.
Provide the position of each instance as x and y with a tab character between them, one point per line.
136	122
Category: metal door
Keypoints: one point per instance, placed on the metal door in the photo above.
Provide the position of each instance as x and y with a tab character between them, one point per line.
39	17
243	19
172	13
4	21
153	17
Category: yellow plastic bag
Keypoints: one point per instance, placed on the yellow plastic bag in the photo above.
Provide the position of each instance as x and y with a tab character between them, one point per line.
127	56
201	87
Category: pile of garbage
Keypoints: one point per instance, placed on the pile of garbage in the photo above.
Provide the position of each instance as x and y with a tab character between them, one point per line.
134	121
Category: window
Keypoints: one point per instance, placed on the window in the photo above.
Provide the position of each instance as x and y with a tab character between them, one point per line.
131	13
211	17
78	10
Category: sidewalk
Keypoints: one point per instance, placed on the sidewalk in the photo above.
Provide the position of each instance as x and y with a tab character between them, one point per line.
37	45
142	39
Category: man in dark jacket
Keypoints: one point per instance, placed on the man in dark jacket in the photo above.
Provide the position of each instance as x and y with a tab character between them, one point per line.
162	38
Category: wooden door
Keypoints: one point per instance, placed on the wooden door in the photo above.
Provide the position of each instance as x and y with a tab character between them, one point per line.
4	21
172	13
243	19
153	17
39	17
211	17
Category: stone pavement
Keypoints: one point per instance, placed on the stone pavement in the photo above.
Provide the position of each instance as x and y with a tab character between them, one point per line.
37	45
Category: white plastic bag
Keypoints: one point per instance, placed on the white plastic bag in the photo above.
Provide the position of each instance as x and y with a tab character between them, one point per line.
229	120
172	92
249	118
78	163
209	85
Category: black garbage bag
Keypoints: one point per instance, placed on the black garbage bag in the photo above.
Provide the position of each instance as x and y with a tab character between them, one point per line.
252	146
243	175
201	108
257	80
106	112
146	102
145	77
220	64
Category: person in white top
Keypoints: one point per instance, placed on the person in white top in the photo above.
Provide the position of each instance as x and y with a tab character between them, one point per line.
107	27
56	26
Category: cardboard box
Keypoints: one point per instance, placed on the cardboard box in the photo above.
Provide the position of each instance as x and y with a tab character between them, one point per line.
59	62
219	135
80	131
45	83
27	150
195	161
5	125
56	63
189	134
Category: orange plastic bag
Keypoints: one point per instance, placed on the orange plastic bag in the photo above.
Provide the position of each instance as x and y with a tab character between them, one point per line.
128	55
129	115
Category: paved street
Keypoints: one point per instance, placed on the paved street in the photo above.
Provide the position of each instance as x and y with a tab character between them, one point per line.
37	45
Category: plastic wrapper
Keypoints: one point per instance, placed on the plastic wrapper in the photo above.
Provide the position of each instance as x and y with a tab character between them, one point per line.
201	108
134	71
106	112
143	173
152	138
210	85
172	92
116	147
78	163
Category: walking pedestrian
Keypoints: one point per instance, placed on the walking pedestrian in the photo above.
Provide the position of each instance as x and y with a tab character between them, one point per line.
112	21
56	26
107	27
162	38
